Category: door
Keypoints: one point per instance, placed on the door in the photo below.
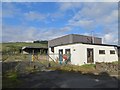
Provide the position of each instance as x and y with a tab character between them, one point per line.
60	55
90	55
68	54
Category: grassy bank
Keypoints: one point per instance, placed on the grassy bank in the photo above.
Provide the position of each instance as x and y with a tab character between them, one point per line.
12	51
6	47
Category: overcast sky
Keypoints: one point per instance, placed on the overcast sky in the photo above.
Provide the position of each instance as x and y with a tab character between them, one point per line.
28	21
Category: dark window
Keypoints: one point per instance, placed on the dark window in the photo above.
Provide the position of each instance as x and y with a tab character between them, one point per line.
52	49
101	51
60	51
67	51
112	51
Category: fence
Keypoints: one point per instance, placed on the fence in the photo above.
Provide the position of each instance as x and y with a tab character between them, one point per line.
21	62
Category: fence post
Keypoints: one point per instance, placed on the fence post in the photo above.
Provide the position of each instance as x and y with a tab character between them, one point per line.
30	55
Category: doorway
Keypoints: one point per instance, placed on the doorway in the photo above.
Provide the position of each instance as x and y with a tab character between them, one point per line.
60	55
90	55
68	54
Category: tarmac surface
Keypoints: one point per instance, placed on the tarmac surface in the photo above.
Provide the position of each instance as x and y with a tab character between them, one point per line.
60	79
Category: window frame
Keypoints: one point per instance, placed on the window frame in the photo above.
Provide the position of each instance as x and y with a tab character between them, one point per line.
112	50
52	49
101	53
67	50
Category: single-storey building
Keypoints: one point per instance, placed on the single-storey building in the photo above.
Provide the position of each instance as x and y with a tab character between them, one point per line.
78	50
34	50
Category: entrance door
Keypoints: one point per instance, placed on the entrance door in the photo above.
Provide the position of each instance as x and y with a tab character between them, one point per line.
90	58
60	55
68	54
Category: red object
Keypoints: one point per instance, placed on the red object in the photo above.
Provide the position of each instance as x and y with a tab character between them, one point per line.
65	57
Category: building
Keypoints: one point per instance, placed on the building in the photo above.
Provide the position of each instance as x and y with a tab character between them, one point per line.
34	50
79	50
119	52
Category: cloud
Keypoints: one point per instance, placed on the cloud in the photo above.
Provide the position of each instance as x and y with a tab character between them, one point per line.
31	16
63	6
10	10
56	15
111	18
99	12
93	15
86	16
25	33
110	38
87	24
60	0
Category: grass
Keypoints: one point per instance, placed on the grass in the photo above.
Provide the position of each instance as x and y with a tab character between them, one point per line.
11	51
88	66
75	68
116	62
10	80
15	47
21	44
15	57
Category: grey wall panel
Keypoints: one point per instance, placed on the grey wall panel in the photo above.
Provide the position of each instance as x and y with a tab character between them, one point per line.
86	39
73	38
98	40
61	40
80	38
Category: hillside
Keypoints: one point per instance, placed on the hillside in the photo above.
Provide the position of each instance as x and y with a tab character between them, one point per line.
18	45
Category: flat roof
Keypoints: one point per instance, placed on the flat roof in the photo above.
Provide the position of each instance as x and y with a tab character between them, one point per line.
30	47
89	44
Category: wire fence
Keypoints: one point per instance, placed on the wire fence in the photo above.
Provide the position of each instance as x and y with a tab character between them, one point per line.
22	62
25	62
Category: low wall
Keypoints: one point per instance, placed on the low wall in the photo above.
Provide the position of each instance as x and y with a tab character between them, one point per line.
109	67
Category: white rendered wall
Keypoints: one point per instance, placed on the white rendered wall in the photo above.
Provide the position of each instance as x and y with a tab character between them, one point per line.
107	57
79	53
